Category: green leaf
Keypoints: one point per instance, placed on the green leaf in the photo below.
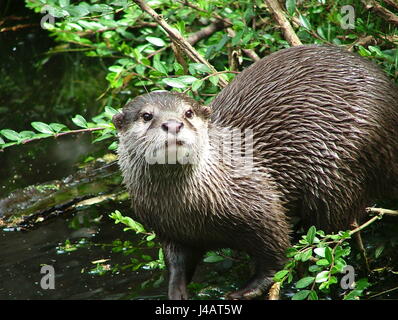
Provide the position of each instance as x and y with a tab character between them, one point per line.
306	255
158	42
174	82
64	3
322	262
42	127
311	235
291	252
304	22
280	275
196	85
328	254
379	251
304	282
150	237
290	6
103	137
322	276
313	295
200	67
301	295
80	121
214	80
339	265
320	252
159	66
27	134
10	134
57	127
116	69
315	268
187	79
113	145
213	258
320	32
110	112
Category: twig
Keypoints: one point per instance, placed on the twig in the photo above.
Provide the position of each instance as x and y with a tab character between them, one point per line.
384	13
56	135
18	27
361	247
367	223
226	23
380	213
383	211
364	41
207	31
383	292
177	38
283	22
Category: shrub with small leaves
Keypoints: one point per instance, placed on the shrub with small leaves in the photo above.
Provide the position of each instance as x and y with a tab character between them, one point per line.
323	259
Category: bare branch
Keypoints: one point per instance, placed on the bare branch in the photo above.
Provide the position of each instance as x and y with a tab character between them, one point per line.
206	31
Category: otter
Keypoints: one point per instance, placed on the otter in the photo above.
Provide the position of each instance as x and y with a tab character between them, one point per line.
324	145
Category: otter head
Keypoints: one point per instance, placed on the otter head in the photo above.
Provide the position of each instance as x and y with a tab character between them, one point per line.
163	128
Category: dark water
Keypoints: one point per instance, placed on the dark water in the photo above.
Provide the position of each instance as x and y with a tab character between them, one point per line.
23	254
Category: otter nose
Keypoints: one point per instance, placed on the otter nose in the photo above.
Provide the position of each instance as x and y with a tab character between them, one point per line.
172	126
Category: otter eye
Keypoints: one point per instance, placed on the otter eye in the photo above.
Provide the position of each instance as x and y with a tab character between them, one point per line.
189	114
147	116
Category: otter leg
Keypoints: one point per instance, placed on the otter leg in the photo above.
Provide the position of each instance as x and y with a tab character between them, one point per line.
182	262
257	285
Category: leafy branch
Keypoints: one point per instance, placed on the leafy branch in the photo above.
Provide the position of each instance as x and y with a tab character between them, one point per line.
324	256
101	124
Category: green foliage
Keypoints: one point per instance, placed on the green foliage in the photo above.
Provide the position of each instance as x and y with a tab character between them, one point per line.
323	259
140	59
148	262
101	126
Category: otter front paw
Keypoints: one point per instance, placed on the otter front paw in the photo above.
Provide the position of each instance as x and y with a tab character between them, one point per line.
256	287
245	294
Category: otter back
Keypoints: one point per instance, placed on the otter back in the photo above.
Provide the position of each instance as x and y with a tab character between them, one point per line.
326	124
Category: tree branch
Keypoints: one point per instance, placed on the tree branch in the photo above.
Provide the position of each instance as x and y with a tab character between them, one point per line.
226	24
283	22
177	38
207	31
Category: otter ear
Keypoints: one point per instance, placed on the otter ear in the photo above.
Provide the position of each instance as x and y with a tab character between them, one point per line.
206	111
118	120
